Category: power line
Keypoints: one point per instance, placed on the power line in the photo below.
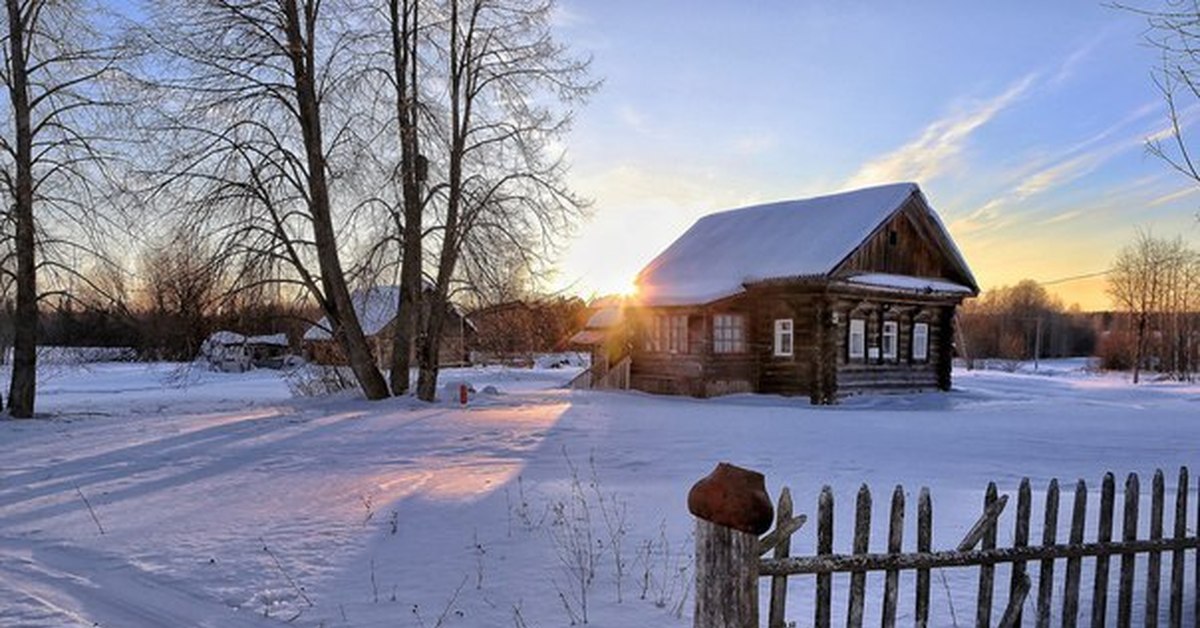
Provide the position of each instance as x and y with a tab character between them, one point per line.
1074	278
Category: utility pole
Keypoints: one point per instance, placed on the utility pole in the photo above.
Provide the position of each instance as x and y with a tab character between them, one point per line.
1037	344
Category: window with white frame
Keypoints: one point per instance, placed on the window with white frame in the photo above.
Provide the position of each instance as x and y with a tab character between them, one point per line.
920	342
784	337
677	334
857	343
891	340
729	333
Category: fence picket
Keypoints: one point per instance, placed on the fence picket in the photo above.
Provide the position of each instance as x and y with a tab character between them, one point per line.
783	514
1178	557
1019	587
1046	569
824	546
1071	586
1128	561
1012	613
862	540
924	544
1154	562
1103	535
987	572
895	540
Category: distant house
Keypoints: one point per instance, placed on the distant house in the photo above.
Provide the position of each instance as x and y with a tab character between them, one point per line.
820	297
232	352
377	309
268	351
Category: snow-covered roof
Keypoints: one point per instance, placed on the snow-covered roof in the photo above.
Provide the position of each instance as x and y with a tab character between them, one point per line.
722	252
277	340
605	317
375	306
909	284
218	338
589	337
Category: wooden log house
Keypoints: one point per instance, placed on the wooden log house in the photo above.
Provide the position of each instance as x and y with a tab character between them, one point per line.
823	297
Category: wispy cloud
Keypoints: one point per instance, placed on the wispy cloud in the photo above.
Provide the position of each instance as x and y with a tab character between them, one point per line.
1067	69
1186	118
1173	196
1063	217
1046	175
932	152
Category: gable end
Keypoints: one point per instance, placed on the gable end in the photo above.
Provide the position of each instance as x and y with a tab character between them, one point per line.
910	242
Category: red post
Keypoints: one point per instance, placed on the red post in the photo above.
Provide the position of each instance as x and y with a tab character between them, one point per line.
462	394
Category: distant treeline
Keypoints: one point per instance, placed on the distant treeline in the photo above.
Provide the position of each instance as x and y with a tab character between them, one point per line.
155	334
1024	322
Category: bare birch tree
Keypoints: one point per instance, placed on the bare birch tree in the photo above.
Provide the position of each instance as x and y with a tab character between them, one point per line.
258	100
61	71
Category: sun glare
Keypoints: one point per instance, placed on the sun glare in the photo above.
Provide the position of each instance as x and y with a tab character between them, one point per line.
629	289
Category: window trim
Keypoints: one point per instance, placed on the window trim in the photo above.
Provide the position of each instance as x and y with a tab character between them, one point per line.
923	355
889	331
861	353
785	328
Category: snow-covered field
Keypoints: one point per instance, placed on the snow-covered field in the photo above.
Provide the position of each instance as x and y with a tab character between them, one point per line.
151	497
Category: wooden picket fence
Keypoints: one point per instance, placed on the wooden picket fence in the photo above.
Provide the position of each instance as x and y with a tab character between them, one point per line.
979	550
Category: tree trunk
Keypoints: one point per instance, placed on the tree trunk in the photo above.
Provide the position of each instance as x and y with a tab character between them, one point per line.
428	350
1138	348
412	175
23	386
460	116
347	330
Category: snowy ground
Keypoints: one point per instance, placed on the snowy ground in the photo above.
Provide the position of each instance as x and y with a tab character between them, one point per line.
224	501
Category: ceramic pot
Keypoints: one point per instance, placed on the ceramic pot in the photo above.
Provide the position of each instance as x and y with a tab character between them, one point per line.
733	497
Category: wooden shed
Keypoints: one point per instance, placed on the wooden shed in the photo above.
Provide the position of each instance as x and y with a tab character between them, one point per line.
377	309
821	297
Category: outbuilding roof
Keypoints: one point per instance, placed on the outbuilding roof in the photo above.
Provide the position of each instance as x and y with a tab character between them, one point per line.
375	306
723	252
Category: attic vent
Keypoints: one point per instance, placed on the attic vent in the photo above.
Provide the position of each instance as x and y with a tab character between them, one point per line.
892	237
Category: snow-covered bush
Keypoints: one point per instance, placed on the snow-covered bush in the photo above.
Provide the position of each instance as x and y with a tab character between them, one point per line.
319	380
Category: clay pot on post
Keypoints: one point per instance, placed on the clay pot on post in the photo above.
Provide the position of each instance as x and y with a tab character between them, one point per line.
733	497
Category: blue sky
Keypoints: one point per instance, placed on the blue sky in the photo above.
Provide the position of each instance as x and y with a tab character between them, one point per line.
1023	122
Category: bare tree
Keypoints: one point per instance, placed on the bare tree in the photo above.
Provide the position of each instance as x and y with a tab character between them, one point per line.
1175	31
182	285
61	72
259	100
404	21
1156	283
509	86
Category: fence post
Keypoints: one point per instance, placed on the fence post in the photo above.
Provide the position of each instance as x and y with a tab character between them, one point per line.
732	509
